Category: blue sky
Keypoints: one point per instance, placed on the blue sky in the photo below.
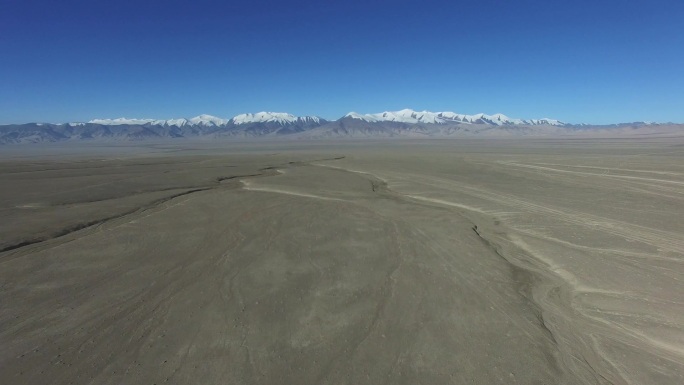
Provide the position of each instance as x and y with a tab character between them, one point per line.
600	61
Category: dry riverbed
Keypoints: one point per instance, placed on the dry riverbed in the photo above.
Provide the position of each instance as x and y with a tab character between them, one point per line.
404	262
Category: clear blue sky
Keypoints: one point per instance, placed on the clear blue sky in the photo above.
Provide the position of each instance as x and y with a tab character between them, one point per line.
599	61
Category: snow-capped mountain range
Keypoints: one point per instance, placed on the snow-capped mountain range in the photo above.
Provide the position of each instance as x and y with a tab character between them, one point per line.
403	116
209	120
403	123
274	117
413	117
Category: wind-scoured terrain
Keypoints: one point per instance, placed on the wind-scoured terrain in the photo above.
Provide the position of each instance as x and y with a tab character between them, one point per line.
546	261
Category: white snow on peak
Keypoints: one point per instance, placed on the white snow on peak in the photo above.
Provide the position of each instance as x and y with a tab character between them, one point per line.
204	120
367	117
259	117
314	119
411	116
272	117
551	122
120	121
174	122
402	116
208	120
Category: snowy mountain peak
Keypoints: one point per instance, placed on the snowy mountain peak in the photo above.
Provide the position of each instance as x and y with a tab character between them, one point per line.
367	117
173	122
402	116
213	121
413	117
120	121
272	117
407	116
208	120
262	117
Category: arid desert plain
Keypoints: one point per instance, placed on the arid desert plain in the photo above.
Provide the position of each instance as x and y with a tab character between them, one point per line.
498	261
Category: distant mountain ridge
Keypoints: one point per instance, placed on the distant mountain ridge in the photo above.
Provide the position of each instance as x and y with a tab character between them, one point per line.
210	121
410	116
403	123
402	116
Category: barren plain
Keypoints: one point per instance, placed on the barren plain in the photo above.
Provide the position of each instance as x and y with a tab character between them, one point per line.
518	261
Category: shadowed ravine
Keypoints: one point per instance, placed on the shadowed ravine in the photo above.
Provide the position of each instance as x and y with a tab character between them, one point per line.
376	267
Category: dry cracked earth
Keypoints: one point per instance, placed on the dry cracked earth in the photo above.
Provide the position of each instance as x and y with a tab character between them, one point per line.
399	262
